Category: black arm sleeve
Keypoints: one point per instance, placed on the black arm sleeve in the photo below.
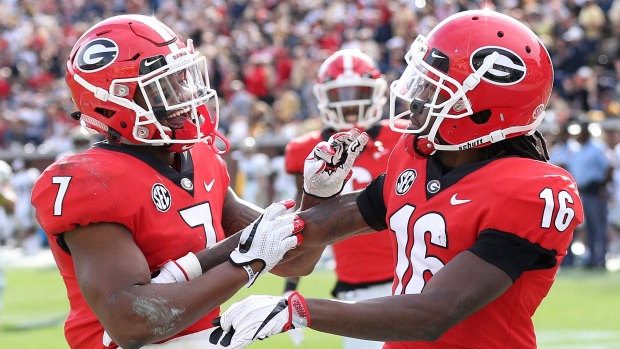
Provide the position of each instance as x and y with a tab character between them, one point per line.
511	253
371	205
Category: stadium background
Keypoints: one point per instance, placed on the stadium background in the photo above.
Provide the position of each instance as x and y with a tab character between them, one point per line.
263	57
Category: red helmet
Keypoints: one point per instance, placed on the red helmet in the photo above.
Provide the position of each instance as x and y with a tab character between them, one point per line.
128	74
478	78
349	84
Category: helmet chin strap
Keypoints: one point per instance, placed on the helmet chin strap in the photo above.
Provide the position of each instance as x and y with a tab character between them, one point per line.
214	146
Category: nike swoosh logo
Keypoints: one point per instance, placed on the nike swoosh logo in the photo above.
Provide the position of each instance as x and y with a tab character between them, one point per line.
435	55
150	63
282	304
209	186
454	201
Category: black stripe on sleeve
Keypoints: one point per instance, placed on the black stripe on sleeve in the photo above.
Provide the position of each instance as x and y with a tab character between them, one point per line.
511	253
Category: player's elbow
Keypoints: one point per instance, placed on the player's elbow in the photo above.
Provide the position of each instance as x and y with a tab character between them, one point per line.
135	330
128	339
433	333
439	325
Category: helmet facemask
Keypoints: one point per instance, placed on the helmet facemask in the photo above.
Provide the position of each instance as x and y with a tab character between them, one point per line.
434	97
351	102
431	94
171	102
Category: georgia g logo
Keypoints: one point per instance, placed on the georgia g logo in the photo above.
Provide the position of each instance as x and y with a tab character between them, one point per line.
405	181
509	68
97	55
161	197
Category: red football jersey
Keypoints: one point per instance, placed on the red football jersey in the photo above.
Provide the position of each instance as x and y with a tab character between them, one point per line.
169	213
435	217
365	258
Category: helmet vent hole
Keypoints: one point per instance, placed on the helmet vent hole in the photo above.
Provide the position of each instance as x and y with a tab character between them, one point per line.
500	34
481	117
475	18
528	49
105	112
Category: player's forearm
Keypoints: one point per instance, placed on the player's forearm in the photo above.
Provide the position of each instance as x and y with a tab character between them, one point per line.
461	288
395	318
217	253
298	262
324	227
154	312
238	213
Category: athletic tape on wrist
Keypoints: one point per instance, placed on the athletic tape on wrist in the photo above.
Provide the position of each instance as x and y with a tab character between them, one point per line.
190	265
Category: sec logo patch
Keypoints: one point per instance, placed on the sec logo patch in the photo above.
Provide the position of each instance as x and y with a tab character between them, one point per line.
161	197
405	181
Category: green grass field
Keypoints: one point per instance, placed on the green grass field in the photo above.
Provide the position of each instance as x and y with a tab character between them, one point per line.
581	311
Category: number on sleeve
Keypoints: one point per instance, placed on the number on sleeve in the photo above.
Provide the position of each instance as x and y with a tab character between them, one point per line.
63	185
565	213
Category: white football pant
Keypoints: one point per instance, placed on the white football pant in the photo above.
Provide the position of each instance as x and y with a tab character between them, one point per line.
361	294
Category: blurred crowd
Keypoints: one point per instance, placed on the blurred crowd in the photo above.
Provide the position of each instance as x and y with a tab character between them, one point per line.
263	57
264	54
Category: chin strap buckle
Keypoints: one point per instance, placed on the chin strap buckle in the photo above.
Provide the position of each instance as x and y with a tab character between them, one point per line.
497	136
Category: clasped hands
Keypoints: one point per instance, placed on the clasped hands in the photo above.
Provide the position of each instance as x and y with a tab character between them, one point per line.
326	170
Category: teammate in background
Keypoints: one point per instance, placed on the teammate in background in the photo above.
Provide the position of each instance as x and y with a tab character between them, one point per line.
26	227
7	204
482	221
351	92
7	207
149	196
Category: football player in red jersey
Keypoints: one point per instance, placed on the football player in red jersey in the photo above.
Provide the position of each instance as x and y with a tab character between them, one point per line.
149	197
481	219
351	93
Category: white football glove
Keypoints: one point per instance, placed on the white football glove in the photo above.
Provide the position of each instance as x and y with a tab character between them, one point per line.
259	317
267	239
328	166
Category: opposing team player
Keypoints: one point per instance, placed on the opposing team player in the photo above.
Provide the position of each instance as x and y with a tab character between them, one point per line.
149	197
481	220
351	93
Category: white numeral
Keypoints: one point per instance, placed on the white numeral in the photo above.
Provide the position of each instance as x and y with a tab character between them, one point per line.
565	213
200	215
416	258
62	191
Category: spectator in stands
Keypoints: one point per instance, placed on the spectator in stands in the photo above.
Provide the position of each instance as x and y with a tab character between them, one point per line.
591	168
